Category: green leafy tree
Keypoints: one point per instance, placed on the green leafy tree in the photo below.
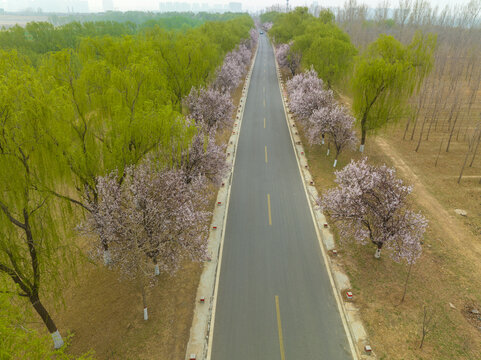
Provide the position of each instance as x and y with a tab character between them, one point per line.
17	341
329	51
114	114
32	249
386	76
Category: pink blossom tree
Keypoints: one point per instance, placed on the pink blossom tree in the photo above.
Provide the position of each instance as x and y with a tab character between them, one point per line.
233	69
288	58
210	108
254	37
204	158
371	203
306	94
267	26
334	122
153	219
229	75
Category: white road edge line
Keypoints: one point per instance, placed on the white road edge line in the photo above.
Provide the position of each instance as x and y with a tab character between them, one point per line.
219	262
347	328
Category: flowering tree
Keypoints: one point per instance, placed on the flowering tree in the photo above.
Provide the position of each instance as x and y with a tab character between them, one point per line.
229	75
370	202
267	26
334	122
153	219
306	94
233	69
204	159
287	57
209	107
254	37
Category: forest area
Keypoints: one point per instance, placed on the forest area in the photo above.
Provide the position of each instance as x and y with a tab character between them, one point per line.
112	145
391	94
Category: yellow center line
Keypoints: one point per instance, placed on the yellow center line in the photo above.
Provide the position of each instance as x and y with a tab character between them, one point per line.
269	208
266	154
279	329
264	123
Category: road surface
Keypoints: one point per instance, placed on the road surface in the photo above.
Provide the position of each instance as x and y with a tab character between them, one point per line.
274	299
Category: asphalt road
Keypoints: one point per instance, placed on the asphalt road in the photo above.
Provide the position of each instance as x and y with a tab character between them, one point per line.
275	300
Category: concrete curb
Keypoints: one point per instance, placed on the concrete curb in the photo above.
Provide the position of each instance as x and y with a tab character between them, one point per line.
350	315
200	339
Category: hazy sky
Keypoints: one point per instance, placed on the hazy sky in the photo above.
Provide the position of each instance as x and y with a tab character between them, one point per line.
96	5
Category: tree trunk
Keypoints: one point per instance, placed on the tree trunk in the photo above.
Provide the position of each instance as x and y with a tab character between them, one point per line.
452	132
464	165
144	301
363	133
47	320
475	149
377	254
406	283
439	152
421	135
106	253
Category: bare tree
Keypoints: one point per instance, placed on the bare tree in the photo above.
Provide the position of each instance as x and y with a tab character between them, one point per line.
428	324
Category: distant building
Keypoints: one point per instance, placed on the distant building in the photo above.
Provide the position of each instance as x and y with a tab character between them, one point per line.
107	5
235	7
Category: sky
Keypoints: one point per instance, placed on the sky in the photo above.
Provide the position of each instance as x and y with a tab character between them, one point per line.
96	5
250	5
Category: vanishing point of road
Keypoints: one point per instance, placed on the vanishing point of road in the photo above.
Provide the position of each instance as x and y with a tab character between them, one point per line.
275	300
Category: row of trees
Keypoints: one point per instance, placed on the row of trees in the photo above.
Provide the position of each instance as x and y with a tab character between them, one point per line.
110	108
319	114
308	41
38	38
370	202
383	78
444	111
155	216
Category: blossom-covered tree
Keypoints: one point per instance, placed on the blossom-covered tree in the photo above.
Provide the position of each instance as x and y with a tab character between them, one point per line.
233	69
334	122
371	203
267	26
204	158
254	37
306	94
153	219
288	58
210	108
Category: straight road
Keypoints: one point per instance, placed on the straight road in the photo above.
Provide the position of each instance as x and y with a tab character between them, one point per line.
274	300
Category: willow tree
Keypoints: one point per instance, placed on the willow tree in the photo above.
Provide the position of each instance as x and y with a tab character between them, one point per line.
113	116
31	248
386	75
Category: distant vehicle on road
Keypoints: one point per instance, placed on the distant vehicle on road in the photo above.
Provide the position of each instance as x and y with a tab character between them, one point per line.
262	32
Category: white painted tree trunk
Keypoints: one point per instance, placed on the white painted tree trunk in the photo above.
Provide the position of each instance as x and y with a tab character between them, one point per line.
146	314
322	141
328	151
361	148
57	340
157	270
377	254
107	257
335	163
